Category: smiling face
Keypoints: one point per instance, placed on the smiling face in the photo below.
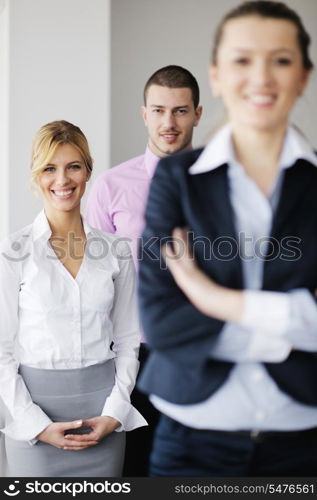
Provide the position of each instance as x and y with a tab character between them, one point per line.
63	180
259	72
170	117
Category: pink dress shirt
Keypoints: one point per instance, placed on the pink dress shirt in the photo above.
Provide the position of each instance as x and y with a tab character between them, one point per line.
117	200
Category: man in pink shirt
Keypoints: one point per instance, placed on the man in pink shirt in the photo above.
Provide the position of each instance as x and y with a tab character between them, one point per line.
117	200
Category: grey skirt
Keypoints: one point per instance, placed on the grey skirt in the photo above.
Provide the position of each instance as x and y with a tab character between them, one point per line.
66	395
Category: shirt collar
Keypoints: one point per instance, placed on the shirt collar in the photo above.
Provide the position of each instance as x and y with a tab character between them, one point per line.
150	161
89	230
296	147
219	151
41	229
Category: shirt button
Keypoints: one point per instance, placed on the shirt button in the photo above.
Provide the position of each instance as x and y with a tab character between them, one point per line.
259	416
257	375
249	250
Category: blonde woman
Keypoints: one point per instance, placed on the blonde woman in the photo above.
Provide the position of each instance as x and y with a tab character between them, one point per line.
69	334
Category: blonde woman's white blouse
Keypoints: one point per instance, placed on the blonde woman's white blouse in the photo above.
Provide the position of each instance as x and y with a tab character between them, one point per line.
51	320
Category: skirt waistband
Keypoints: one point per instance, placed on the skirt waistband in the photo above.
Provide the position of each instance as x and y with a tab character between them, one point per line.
51	382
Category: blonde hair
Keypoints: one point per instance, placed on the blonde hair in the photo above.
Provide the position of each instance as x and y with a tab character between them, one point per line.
55	134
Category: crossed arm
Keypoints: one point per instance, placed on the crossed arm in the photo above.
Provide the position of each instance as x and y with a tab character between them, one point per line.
282	320
180	308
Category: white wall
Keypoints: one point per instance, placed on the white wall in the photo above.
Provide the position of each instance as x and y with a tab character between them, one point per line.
149	34
58	69
4	193
4	108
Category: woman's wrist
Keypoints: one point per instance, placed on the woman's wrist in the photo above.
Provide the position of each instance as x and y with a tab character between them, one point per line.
219	302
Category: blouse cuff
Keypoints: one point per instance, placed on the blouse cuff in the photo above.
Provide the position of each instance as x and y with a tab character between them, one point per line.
268	311
27	425
123	411
268	349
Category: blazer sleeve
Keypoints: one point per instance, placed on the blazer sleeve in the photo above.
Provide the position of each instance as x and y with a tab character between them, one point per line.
168	318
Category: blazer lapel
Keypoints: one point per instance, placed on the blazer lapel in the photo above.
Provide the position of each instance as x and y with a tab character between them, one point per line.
297	179
215	213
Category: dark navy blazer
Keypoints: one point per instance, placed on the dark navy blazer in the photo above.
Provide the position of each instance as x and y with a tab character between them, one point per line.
181	338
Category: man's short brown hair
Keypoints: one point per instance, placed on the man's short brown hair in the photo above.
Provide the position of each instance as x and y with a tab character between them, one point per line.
173	77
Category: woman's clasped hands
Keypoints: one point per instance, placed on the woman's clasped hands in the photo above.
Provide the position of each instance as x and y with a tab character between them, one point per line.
101	426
